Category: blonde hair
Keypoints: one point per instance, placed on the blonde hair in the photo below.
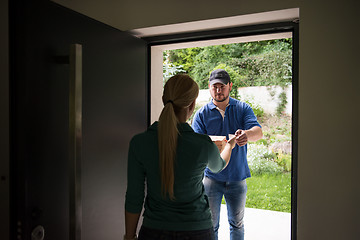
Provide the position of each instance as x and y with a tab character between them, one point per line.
179	92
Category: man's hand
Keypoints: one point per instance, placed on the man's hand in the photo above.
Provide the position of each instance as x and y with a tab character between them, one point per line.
241	137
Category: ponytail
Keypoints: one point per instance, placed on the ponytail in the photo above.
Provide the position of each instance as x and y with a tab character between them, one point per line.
179	92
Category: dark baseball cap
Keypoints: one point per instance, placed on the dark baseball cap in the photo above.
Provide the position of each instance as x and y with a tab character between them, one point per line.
219	76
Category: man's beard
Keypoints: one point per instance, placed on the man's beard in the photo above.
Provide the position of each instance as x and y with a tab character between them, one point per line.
222	100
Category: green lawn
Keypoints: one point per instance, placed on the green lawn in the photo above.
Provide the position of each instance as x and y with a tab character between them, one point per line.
270	192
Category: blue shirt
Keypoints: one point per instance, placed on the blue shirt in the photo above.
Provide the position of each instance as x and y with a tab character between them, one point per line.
238	115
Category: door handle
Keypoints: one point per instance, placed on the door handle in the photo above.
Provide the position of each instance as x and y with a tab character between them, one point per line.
38	233
75	139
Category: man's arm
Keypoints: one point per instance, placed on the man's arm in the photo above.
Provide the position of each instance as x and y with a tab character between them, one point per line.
253	134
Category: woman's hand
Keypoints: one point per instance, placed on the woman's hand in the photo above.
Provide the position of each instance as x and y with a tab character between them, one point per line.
226	153
232	141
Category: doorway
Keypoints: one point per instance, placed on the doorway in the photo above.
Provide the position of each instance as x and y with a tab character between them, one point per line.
156	85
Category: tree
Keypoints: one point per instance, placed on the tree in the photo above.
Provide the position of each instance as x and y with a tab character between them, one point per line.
258	63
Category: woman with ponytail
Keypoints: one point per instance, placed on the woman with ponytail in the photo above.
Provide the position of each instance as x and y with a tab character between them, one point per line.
170	159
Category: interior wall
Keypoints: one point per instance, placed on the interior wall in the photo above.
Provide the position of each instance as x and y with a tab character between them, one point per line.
328	161
328	195
4	120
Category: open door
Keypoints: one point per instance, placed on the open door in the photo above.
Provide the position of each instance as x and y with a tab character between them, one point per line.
114	108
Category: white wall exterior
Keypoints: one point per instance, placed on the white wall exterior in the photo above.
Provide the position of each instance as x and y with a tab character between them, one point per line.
257	95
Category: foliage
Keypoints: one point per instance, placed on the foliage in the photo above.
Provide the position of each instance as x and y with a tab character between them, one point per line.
254	63
283	160
258	110
261	160
282	105
184	57
170	70
268	68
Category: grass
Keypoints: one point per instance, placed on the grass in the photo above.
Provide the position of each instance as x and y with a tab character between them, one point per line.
269	192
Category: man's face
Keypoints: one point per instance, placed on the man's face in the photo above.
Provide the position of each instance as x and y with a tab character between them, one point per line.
220	92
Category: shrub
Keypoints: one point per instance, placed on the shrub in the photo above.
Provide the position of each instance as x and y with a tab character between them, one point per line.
282	104
262	141
261	160
170	70
258	110
284	160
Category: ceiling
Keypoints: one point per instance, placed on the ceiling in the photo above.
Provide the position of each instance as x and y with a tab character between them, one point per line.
126	15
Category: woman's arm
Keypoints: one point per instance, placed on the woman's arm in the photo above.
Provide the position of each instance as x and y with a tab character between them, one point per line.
226	152
131	222
135	191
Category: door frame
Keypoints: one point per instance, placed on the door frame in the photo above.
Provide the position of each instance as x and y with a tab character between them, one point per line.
244	31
